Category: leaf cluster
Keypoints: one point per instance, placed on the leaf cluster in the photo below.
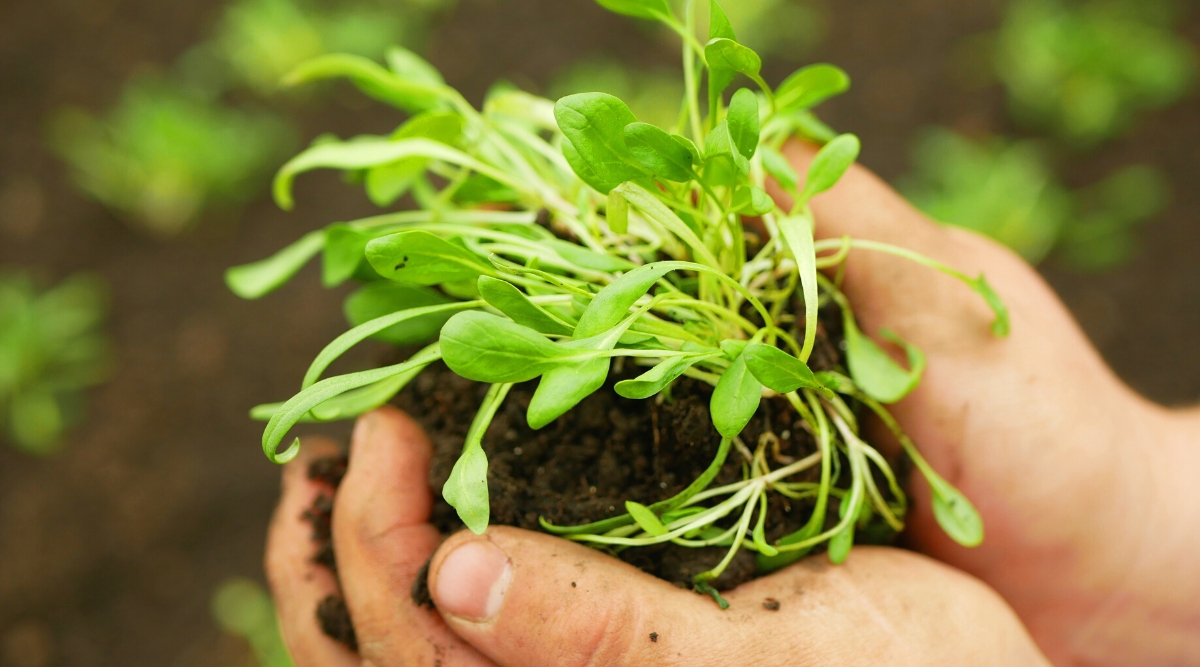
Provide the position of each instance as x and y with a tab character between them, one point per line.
555	241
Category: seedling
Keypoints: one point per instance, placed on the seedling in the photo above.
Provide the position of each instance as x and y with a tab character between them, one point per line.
243	609
643	257
166	153
50	350
1085	69
1008	191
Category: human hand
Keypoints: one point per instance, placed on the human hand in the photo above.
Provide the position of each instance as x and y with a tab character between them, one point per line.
1086	490
513	598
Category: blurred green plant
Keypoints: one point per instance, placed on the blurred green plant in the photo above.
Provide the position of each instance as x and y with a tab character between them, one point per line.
243	609
779	28
172	147
164	153
1083	70
260	41
51	348
1007	190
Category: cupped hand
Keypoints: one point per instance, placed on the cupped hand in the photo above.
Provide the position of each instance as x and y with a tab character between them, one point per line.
514	598
1087	491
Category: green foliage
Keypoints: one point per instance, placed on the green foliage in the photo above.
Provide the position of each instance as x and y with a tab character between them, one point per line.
641	255
51	349
243	609
176	145
1007	190
165	153
1085	68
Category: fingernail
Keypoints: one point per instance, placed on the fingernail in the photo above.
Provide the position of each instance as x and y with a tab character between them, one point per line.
473	580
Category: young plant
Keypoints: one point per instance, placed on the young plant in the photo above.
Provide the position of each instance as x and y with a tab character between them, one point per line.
1083	69
50	350
166	153
243	609
1008	191
642	256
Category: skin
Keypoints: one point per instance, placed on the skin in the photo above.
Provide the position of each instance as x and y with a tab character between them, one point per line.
1085	490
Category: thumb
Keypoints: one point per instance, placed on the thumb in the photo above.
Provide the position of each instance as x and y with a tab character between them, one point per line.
531	600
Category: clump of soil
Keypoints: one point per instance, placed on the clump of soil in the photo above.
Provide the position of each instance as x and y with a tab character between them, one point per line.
606	450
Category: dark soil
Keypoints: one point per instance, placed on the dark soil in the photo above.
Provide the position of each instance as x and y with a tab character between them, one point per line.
583	467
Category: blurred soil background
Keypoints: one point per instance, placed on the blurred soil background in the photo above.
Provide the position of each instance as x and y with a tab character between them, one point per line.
110	550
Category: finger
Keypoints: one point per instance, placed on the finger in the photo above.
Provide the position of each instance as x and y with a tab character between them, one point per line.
531	600
382	536
297	583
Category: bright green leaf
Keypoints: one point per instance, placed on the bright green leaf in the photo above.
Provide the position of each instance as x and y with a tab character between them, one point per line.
719	26
563	387
735	398
344	248
251	281
752	200
408	65
506	298
954	513
422	258
830	163
369	152
728	55
594	125
780	169
409	94
466	490
797	231
382	298
657	378
386	183
645	519
875	373
779	370
743	120
486	348
617	213
588	259
659	152
612	303
809	86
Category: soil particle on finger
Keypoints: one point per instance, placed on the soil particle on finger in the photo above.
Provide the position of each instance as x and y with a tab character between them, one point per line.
420	587
328	469
335	621
654	637
771	604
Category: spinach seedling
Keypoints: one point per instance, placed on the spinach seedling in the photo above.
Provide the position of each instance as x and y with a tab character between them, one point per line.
643	235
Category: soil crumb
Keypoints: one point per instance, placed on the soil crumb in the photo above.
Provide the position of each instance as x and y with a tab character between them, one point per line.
335	621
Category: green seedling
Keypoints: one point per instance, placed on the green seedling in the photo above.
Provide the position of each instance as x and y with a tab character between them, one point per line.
1007	190
1084	69
51	348
641	256
243	609
166	153
260	41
